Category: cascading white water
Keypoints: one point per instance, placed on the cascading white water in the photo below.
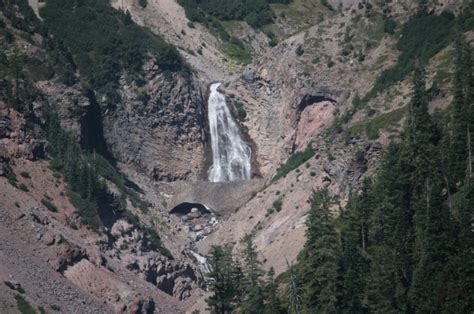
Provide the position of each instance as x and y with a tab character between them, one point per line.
203	264
230	154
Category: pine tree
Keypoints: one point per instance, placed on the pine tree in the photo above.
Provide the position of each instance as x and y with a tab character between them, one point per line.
252	283
225	280
461	116
463	298
294	290
354	259
434	271
389	276
319	259
273	304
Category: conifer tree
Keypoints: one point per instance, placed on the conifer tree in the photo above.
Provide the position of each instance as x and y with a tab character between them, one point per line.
434	271
388	279
252	283
320	258
294	290
461	116
224	281
463	298
354	259
273	304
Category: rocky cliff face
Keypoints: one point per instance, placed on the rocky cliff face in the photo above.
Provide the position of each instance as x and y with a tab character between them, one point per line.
159	127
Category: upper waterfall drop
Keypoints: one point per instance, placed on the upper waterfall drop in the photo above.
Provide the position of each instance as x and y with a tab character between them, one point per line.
230	154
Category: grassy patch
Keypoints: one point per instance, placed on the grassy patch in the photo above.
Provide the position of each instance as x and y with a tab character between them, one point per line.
236	50
294	162
372	127
298	15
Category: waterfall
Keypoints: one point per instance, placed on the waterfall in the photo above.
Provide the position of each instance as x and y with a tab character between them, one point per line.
230	154
203	264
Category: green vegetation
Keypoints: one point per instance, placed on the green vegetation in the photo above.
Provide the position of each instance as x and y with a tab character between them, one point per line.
49	205
294	162
156	243
236	50
55	307
143	3
422	37
273	40
241	285
23	187
389	25
241	113
269	211
104	42
277	205
231	46
402	243
25	174
326	4
24	306
256	13
12	286
211	13
81	166
373	126
84	173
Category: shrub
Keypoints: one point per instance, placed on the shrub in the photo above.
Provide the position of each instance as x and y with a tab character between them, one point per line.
156	243
11	177
25	174
299	51
23	187
55	307
241	113
278	204
389	25
273	40
143	3
49	205
13	286
326	4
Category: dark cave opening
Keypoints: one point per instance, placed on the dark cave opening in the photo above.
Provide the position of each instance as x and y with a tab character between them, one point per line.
186	208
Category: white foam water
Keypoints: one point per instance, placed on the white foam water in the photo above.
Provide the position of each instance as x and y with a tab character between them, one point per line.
230	154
